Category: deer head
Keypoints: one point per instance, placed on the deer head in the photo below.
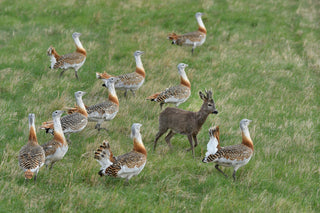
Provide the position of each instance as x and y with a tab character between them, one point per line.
208	102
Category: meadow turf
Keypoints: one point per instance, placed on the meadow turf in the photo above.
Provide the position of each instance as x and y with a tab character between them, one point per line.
261	59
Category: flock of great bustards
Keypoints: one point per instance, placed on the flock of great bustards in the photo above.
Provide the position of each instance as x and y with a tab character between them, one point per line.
33	156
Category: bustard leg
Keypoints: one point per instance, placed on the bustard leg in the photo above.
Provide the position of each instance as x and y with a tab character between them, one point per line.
194	46
76	74
68	139
161	104
97	126
35	176
234	175
133	92
217	167
61	73
51	166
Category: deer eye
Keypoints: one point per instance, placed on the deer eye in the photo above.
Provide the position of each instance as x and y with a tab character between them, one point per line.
209	105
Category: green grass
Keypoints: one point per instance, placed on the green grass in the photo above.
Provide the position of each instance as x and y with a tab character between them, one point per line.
261	59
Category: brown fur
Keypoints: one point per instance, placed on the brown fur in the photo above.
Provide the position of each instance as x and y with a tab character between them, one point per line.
185	122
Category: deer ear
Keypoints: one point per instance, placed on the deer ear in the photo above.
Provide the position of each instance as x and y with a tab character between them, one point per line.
202	96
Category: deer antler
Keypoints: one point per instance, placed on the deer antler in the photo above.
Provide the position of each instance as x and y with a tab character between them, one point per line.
209	94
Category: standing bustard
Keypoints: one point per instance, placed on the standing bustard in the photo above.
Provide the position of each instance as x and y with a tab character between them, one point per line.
31	156
104	111
73	60
194	39
56	148
130	81
235	155
72	123
176	94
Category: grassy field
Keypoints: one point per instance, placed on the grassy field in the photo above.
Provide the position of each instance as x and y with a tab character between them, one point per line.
261	59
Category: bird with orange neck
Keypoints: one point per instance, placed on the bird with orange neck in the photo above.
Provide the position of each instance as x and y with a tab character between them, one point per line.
124	166
105	111
234	156
31	156
130	81
56	148
176	94
72	123
194	39
73	60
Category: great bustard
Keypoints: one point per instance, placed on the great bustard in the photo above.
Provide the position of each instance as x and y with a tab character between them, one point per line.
104	111
73	60
235	155
130	81
31	156
126	165
56	148
194	39
176	94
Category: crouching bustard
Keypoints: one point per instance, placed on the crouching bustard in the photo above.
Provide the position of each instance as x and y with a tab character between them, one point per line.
235	155
194	39
126	165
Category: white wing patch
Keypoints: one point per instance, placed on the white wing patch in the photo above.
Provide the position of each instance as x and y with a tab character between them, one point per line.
126	172
212	146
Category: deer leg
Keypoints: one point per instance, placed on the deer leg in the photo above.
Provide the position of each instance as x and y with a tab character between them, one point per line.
125	93
159	134
217	167
191	145
168	138
195	140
